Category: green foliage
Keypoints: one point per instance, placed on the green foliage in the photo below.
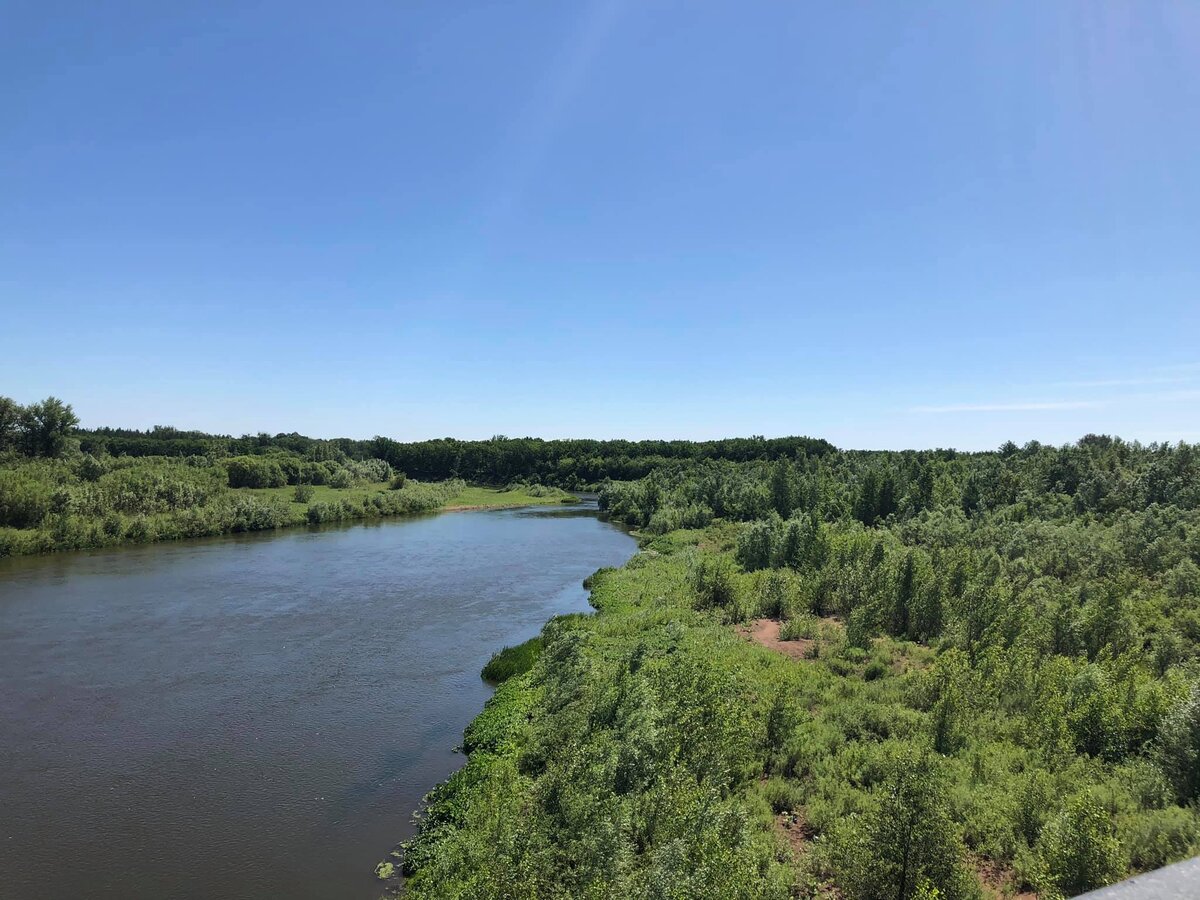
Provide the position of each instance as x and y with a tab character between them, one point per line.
254	472
1179	746
991	634
1079	849
42	429
341	479
82	500
904	844
797	628
1160	836
511	661
712	582
951	709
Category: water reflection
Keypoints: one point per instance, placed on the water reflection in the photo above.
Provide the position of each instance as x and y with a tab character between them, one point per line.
258	715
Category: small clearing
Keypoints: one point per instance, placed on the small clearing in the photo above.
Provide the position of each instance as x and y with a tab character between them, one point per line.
765	632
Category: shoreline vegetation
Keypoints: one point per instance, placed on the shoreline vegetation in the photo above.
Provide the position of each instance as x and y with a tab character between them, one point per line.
919	675
63	489
854	675
239	510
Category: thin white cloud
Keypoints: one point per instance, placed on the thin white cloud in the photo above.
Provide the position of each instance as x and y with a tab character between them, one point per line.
1030	406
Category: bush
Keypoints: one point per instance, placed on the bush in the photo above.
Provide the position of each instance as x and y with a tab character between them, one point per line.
254	472
1161	836
712	582
1079	849
341	479
874	670
321	512
1178	747
139	530
511	661
782	796
24	501
905	843
303	493
802	627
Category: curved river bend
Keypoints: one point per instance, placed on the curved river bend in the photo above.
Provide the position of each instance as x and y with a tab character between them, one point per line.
258	716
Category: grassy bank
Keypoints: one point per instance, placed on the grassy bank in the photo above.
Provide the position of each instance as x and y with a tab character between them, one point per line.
656	750
475	497
141	501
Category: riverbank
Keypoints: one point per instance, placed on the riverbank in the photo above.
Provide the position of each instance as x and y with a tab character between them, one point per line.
234	510
207	696
722	728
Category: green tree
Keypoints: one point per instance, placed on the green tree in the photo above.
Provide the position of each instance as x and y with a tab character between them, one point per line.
1179	747
1079	849
866	502
46	427
755	545
783	493
950	706
10	424
906	843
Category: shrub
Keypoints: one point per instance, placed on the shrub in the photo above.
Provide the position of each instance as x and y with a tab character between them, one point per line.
1162	836
254	472
1079	849
782	796
511	661
139	530
1178	747
303	493
712	582
24	501
905	843
858	632
320	512
801	627
755	545
341	479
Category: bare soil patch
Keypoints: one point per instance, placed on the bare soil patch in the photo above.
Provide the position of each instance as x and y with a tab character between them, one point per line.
792	827
998	881
765	632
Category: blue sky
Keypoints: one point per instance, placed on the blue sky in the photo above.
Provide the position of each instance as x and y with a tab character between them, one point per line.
889	224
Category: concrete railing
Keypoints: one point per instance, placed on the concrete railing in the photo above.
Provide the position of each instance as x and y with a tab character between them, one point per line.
1178	882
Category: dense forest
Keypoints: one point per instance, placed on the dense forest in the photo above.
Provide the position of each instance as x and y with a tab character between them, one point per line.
866	675
570	464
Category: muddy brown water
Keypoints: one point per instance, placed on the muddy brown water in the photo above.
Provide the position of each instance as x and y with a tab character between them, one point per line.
258	716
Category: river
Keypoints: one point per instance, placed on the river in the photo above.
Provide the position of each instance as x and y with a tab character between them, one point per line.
259	715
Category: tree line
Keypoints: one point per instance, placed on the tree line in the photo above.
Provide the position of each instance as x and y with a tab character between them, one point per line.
570	464
39	429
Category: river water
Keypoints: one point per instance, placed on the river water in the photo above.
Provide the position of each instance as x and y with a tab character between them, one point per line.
258	716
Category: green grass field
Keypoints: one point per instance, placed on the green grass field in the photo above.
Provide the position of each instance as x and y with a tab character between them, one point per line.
469	498
491	498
